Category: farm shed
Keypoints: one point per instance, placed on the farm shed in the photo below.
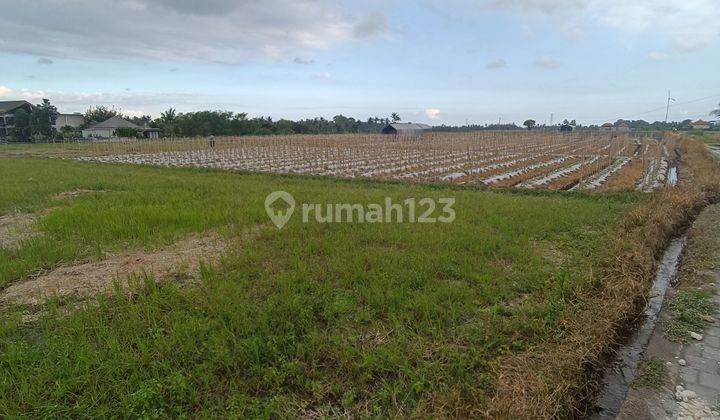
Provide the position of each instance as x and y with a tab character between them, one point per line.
405	129
7	115
109	127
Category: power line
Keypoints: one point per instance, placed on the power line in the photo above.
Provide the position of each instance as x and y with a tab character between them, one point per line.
664	107
667	111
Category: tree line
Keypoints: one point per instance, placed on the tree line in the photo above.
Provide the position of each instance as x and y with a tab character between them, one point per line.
227	123
37	125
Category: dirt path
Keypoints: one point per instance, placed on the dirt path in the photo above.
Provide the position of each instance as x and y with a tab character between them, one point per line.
81	281
14	228
689	383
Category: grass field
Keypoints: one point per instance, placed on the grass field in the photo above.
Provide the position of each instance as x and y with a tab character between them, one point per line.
314	319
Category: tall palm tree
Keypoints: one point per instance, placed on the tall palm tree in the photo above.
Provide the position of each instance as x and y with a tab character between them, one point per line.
168	116
716	112
167	121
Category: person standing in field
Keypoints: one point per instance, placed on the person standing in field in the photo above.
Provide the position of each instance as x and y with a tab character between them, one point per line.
211	142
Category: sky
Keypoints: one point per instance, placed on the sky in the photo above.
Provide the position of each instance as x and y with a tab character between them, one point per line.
431	61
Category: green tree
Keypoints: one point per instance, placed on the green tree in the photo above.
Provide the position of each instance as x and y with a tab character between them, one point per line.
99	114
167	122
21	132
42	119
395	117
530	124
127	132
142	120
68	133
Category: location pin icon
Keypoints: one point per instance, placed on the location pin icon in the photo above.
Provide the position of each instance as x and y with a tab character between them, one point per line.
279	214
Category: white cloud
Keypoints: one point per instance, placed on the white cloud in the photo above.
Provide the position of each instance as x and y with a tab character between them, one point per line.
658	56
371	25
324	76
546	63
497	64
543	6
432	113
684	26
133	104
573	32
225	31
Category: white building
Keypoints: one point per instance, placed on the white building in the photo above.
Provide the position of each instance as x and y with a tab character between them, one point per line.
68	120
108	129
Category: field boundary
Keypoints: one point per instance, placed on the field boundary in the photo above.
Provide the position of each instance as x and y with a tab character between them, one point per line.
559	378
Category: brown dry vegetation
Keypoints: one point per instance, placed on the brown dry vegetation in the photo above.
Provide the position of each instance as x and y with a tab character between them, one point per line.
626	178
458	158
14	228
559	377
517	179
573	178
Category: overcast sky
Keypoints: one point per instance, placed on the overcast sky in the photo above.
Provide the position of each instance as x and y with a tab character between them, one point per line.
436	61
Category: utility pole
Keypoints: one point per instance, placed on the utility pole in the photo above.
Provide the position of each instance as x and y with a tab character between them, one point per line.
667	111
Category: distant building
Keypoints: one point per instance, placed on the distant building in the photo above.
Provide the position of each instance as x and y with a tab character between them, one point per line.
701	125
405	129
108	129
623	127
7	115
607	127
69	120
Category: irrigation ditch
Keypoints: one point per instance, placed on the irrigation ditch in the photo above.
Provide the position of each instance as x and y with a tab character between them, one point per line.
563	377
622	370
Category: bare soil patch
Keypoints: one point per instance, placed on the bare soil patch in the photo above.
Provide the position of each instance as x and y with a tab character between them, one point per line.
550	251
75	193
14	228
182	260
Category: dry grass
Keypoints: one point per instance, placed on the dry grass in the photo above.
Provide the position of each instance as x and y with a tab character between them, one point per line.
625	178
559	377
14	228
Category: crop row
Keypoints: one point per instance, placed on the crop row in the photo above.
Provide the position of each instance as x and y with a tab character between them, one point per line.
586	162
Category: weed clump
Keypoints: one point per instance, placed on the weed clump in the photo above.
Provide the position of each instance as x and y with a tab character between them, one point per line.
690	311
652	374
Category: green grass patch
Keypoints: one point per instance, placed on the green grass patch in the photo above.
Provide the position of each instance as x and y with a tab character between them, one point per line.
315	319
707	136
652	374
689	310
